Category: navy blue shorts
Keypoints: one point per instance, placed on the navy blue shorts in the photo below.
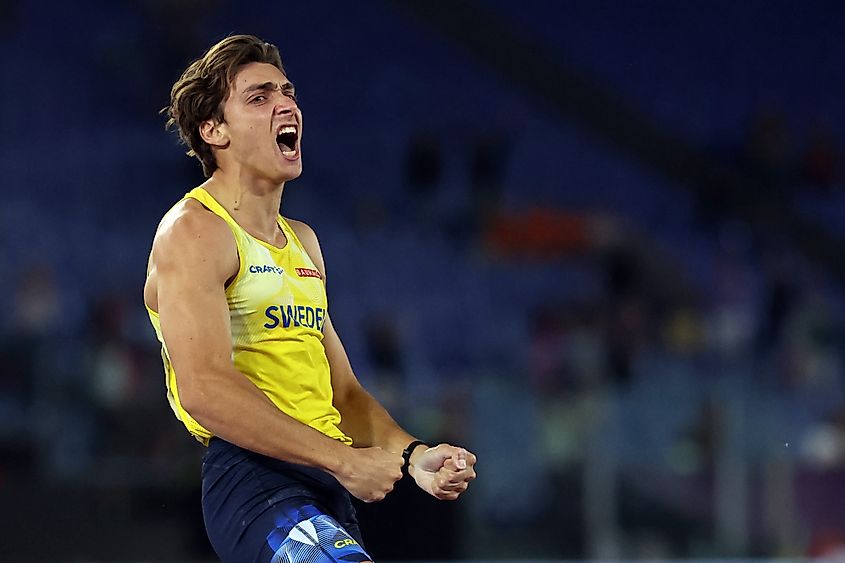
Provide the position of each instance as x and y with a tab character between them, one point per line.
259	509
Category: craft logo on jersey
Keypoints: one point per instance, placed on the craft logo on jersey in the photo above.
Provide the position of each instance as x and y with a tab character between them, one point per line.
265	269
309	273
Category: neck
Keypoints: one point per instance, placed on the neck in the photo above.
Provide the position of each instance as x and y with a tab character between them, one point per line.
253	204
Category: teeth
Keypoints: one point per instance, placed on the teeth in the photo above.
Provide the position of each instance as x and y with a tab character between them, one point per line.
288	153
288	129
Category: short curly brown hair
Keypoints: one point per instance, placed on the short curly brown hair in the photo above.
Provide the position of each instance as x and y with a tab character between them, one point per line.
201	91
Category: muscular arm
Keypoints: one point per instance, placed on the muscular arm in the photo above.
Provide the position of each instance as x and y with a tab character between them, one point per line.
362	416
193	256
443	471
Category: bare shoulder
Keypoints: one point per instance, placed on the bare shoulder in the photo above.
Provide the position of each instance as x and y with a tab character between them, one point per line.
309	240
191	233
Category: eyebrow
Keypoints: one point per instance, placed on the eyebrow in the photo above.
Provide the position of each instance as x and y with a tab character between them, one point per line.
266	86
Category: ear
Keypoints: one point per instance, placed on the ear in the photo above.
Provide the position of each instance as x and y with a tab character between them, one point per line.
215	133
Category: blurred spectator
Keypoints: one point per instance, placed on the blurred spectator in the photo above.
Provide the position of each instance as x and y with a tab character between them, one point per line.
115	377
488	160
683	332
705	437
732	311
538	234
810	352
125	386
23	350
386	356
423	171
780	297
627	309
547	349
383	347
824	445
26	362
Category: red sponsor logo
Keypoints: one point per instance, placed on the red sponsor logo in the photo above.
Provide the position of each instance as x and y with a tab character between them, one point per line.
309	273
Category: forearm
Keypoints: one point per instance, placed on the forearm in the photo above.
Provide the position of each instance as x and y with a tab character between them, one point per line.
234	409
368	423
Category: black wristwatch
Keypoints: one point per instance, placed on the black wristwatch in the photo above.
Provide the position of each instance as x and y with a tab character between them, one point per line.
406	455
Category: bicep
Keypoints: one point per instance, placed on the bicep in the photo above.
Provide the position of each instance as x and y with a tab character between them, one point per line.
194	322
194	315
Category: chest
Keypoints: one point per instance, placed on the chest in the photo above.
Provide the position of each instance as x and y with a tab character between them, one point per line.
275	277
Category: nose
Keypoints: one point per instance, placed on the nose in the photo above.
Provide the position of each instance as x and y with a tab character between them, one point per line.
284	106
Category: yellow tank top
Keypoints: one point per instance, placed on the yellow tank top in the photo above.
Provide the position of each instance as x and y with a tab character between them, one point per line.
277	305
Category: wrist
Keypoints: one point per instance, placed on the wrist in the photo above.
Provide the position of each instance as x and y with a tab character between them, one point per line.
338	462
411	454
416	453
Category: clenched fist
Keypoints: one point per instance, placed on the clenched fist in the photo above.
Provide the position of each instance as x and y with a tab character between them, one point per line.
369	473
443	471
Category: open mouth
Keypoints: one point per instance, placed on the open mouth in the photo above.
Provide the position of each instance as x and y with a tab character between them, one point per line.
286	138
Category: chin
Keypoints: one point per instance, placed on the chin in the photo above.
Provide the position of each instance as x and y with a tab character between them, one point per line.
286	175
291	174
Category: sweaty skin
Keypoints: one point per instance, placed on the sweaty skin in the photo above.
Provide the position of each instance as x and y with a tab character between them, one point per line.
194	254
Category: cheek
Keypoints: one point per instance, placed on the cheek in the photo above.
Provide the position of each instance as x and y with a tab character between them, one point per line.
248	138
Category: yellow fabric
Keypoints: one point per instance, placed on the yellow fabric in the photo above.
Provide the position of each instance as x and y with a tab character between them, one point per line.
277	304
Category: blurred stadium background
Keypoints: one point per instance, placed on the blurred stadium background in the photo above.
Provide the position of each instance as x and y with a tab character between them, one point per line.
599	243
